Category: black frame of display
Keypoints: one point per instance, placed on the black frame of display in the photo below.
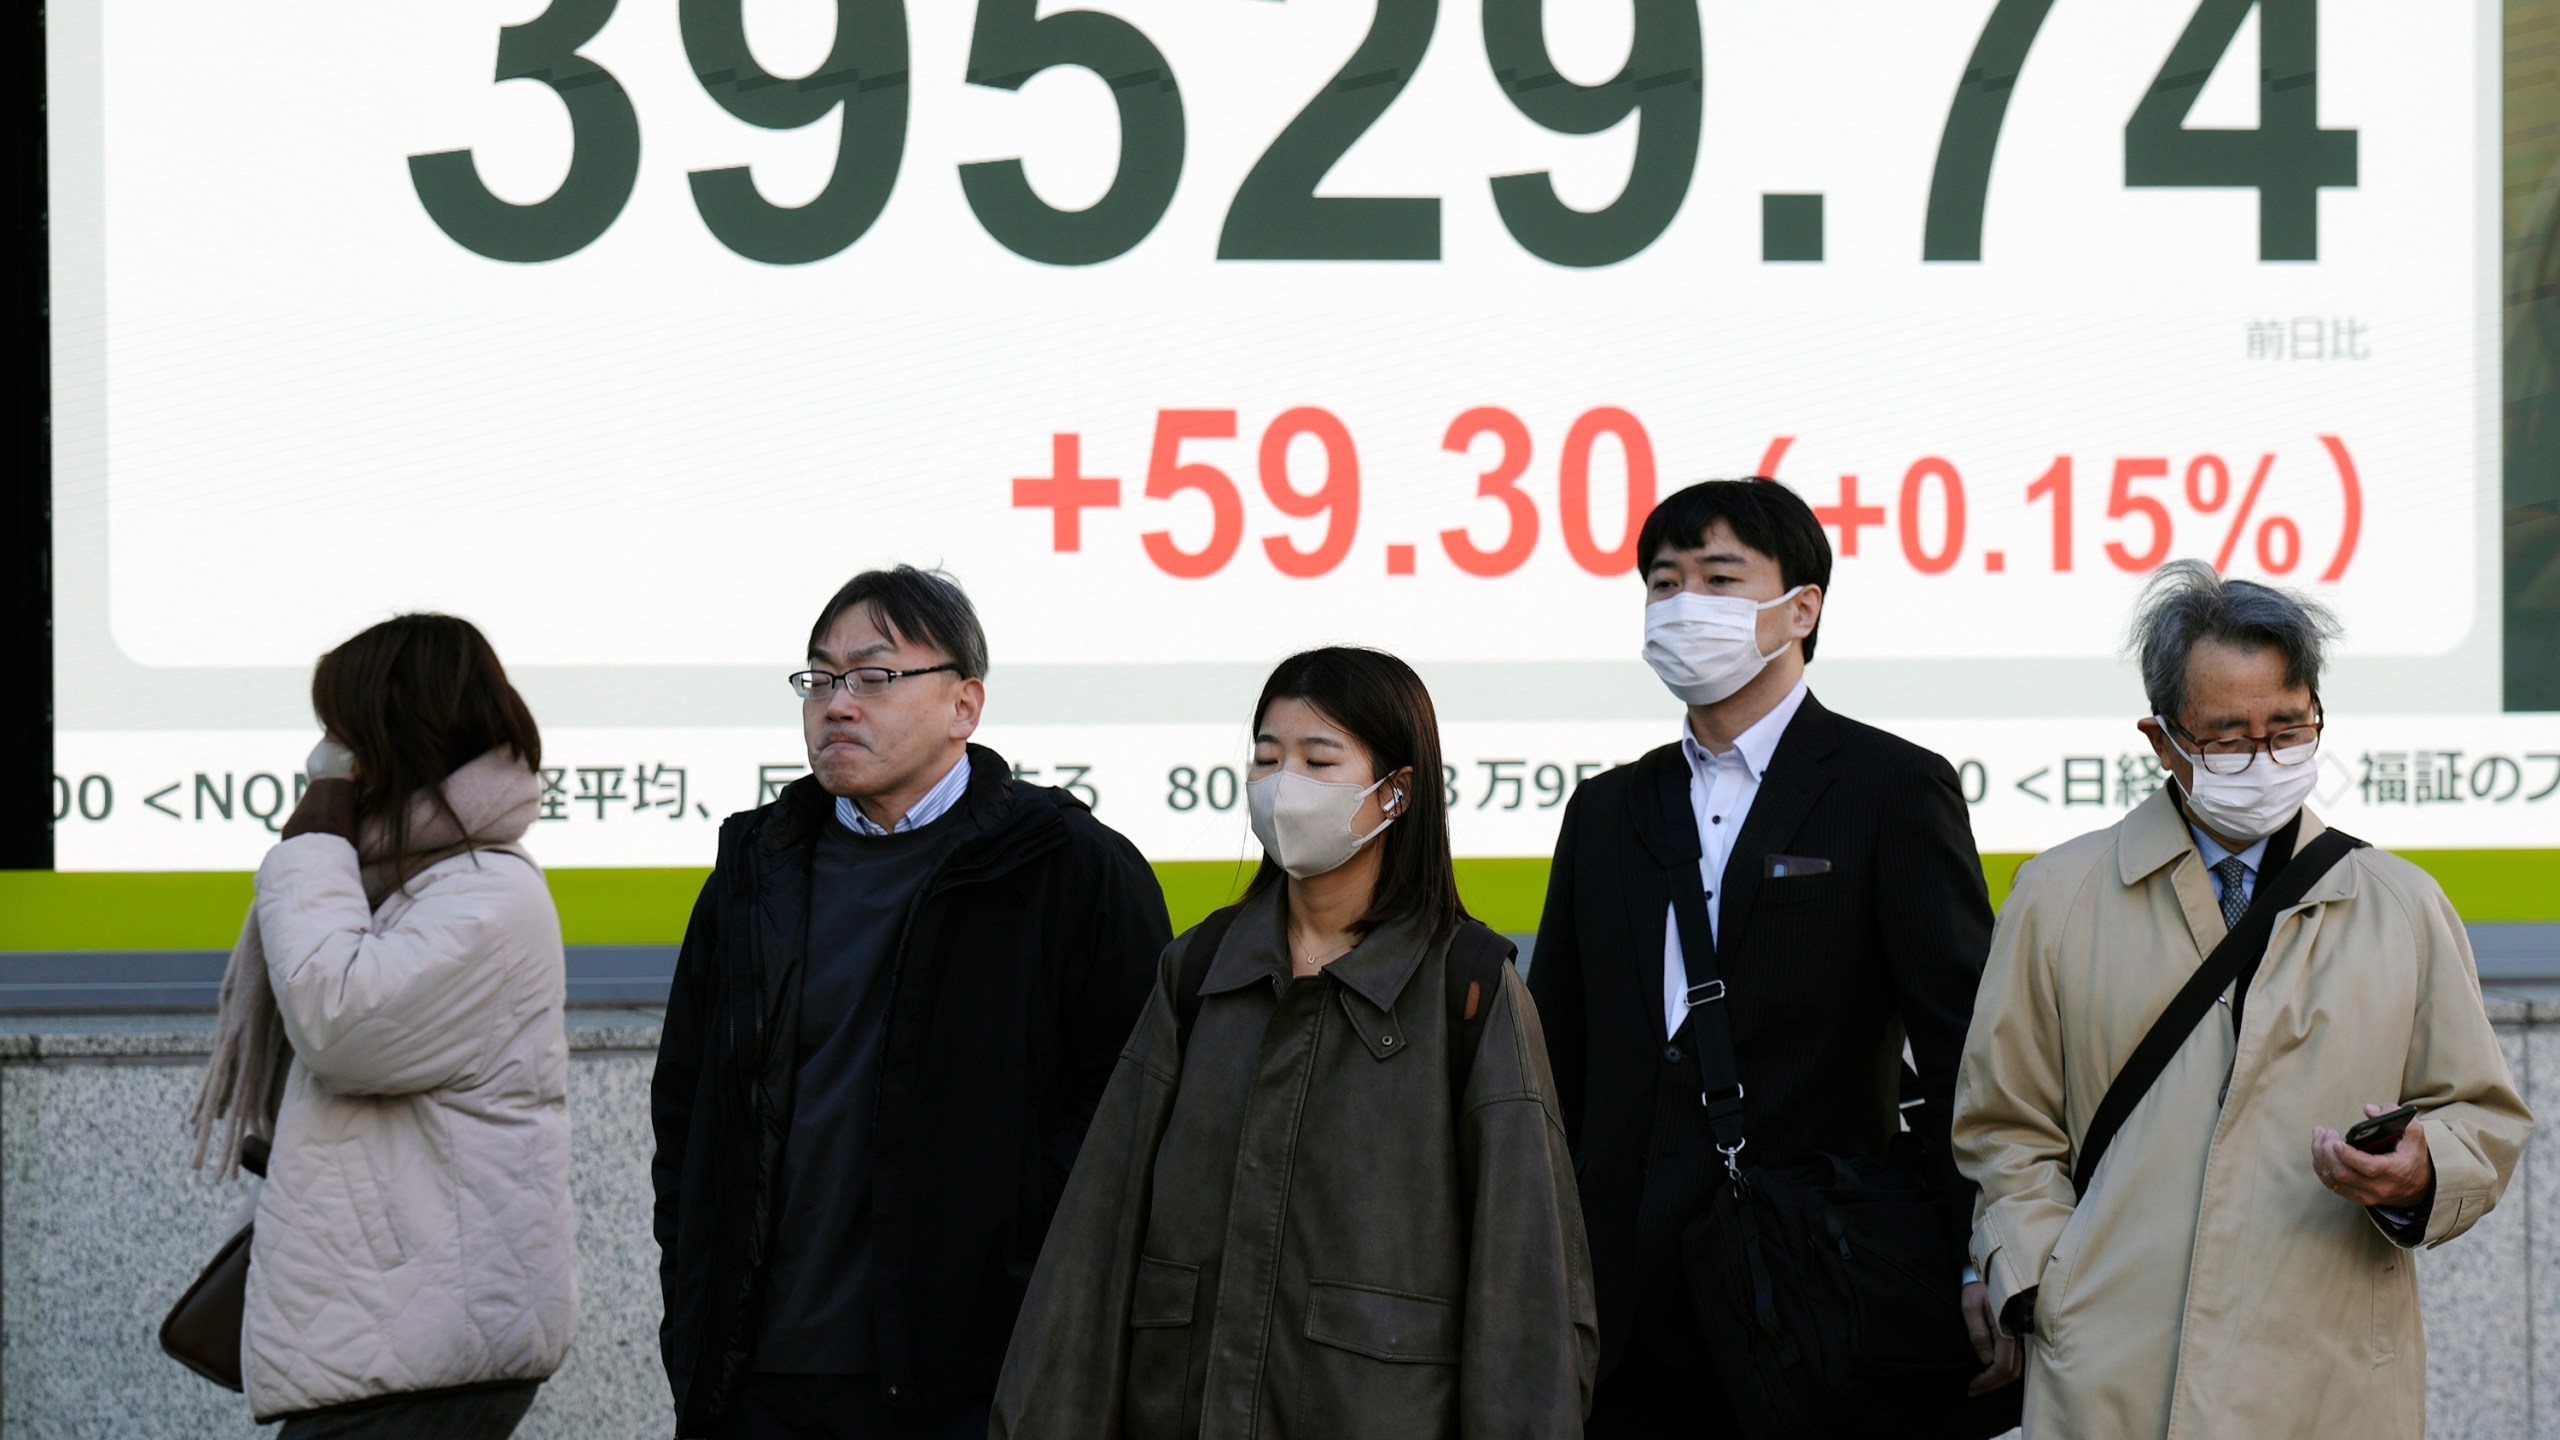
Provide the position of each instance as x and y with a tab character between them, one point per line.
26	497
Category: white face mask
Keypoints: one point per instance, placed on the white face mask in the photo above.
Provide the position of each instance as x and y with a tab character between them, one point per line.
1706	647
330	761
1305	823
2256	802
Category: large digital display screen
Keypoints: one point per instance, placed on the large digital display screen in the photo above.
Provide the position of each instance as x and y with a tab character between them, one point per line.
1188	333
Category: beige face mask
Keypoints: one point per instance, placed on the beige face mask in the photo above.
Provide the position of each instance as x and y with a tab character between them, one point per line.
1305	823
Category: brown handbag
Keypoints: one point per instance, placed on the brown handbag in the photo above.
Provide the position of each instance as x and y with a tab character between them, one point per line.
202	1331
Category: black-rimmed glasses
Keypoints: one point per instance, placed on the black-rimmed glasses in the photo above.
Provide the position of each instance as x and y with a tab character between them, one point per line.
862	682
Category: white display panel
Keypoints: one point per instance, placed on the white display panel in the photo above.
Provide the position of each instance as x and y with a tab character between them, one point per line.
306	395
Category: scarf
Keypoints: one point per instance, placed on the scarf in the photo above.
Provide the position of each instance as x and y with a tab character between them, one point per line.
494	799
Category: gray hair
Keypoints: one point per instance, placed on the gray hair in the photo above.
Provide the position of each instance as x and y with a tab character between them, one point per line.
2186	602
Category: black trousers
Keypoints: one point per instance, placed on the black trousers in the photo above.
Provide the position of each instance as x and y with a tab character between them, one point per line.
1666	1383
1647	1399
842	1407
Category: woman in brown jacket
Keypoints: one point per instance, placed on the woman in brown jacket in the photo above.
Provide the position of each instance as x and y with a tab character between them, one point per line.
1304	1209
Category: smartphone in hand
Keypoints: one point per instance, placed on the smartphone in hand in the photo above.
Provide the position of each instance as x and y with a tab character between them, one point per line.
2381	1134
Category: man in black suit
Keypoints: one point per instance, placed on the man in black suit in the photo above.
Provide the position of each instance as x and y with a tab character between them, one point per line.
1847	911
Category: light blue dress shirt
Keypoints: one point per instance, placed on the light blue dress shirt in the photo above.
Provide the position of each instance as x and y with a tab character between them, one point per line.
2214	852
937	802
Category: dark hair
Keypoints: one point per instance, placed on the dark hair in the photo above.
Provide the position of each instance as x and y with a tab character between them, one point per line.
418	697
1764	514
1379	701
2186	602
913	604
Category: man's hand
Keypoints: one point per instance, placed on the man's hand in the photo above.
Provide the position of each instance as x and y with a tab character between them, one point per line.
2403	1175
2001	1358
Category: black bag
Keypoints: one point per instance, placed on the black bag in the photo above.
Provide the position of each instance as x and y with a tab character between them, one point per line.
1828	1287
202	1331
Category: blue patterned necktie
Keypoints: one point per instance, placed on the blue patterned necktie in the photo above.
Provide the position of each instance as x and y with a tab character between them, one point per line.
2235	900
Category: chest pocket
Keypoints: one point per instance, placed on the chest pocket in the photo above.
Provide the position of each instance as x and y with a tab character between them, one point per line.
1797	892
1796	917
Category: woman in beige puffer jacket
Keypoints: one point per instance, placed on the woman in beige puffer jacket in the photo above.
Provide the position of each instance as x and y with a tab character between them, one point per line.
393	1020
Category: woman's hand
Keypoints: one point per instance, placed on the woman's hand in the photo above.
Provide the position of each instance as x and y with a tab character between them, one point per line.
327	808
330	761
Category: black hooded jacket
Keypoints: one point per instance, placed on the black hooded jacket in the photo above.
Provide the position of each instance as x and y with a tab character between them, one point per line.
1025	960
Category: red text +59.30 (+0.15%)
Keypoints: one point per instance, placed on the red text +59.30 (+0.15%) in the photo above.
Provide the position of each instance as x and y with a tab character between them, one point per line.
1927	513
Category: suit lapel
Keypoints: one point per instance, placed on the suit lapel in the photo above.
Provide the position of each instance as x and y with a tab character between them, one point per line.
1667	830
1799	771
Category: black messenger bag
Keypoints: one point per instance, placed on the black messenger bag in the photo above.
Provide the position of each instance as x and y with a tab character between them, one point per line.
1827	1285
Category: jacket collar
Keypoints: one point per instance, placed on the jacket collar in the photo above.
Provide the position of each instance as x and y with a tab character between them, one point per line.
1378	967
1756	746
1257	949
793	819
2155	834
1668	825
1798	772
2154	837
1253	949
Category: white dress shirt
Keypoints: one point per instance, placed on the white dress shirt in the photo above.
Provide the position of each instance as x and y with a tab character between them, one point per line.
1721	789
937	802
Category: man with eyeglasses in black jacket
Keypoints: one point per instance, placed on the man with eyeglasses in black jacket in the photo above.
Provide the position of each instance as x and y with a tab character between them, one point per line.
900	996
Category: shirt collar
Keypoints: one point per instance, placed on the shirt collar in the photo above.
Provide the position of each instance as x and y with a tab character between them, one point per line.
2214	851
937	802
1754	746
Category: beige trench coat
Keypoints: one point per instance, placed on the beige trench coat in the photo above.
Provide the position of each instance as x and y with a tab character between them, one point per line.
2209	1285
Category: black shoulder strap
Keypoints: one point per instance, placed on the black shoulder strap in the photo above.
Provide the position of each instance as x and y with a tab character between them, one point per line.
2239	952
1197	952
1476	958
1710	1028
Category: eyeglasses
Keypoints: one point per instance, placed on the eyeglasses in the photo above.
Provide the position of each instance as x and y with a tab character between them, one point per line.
862	682
2231	754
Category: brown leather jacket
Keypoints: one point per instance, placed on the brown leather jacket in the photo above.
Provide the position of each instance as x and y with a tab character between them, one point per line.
1287	1232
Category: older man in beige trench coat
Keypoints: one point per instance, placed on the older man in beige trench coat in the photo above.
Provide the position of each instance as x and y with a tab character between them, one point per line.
2234	1270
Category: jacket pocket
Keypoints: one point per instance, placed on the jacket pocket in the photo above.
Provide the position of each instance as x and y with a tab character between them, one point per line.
1161	1309
1389	1325
1383	1363
369	1206
2391	1303
2053	1289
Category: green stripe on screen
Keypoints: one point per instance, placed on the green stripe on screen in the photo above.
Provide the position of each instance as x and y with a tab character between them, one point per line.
201	910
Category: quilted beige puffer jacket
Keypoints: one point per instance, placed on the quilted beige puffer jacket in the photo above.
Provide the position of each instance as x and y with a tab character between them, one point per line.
415	1231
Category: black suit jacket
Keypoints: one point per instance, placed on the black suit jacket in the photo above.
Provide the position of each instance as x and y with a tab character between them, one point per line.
1827	973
